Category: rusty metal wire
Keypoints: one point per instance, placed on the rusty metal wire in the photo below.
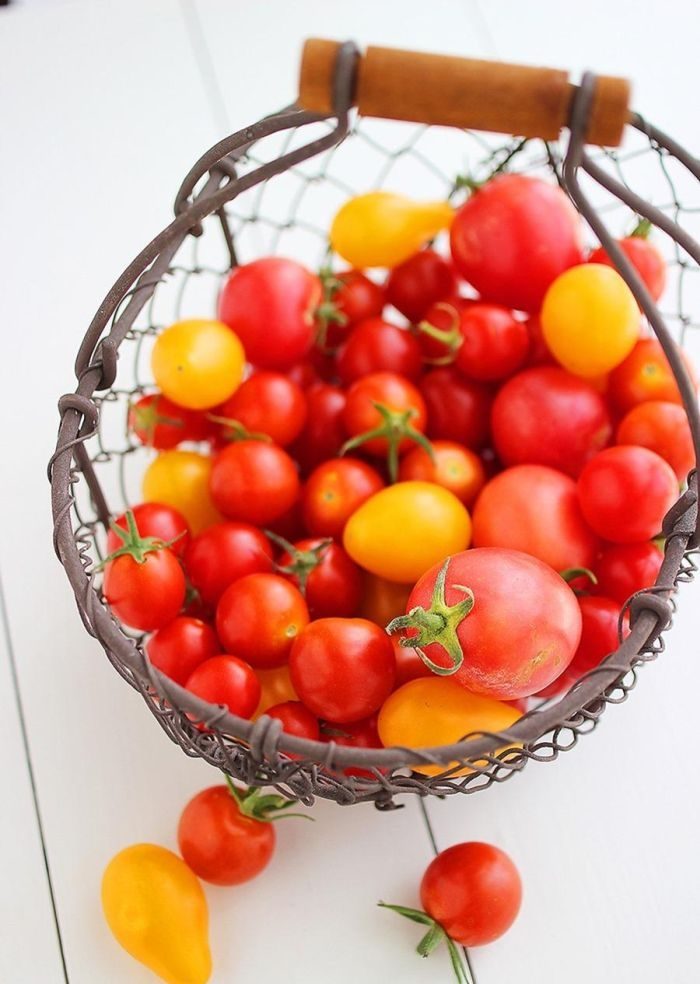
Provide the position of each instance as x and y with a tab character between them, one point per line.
274	188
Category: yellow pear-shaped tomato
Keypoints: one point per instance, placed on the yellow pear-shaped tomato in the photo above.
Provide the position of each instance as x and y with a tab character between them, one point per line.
401	531
434	711
590	319
198	363
381	229
181	479
156	909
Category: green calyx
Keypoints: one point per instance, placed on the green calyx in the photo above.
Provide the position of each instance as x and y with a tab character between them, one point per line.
394	428
437	624
434	937
234	430
303	562
451	338
265	807
327	312
147	417
133	544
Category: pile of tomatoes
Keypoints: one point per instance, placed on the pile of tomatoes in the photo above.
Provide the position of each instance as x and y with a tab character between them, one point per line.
474	443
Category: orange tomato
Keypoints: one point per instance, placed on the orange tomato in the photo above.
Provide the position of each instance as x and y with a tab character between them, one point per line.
453	466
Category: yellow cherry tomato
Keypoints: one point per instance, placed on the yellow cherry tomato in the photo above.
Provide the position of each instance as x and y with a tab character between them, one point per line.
181	479
431	711
275	688
383	600
156	909
590	319
381	229
404	529
198	364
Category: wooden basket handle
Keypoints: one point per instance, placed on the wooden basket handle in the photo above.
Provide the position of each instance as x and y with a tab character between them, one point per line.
463	92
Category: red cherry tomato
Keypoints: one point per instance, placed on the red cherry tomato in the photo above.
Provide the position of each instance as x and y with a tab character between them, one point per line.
159	423
324	432
259	617
513	237
495	344
229	681
350	297
219	842
334	491
266	403
453	466
296	719
290	525
156	520
179	647
623	569
546	416
397	396
222	554
253	481
536	510
330	582
645	375
358	734
473	891
458	409
145	595
409	665
438	332
416	284
270	305
625	493
342	668
599	633
644	257
539	350
663	428
376	345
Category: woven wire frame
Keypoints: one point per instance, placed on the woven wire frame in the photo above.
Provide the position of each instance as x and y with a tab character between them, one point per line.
289	214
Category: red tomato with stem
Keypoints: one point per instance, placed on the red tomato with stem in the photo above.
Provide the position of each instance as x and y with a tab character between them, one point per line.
296	719
154	519
547	416
539	350
253	481
495	343
222	554
226	680
259	617
458	409
180	646
623	569
644	256
159	423
349	296
645	375
663	428
376	345
329	580
357	734
342	668
334	491
416	284
535	509
324	432
438	332
625	492
453	466
270	304
513	237
268	404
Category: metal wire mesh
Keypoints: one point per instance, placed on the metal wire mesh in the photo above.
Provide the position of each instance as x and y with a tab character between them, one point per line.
289	214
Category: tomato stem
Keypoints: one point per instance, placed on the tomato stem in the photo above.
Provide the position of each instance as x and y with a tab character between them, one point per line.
451	337
394	428
432	939
265	807
437	624
303	562
133	544
642	228
571	573
234	430
327	312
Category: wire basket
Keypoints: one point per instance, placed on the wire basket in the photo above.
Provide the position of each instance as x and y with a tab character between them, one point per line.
273	188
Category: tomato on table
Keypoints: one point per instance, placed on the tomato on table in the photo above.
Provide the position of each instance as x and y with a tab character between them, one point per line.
268	404
625	568
197	363
254	481
458	409
159	423
180	646
226	680
661	427
419	282
329	580
376	345
452	466
180	479
157	520
496	344
646	375
324	432
222	554
334	491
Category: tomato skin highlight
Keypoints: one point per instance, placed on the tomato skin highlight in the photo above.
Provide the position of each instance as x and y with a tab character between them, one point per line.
473	890
222	554
180	646
376	345
663	428
458	409
197	363
158	520
547	416
625	568
267	403
495	345
334	491
419	282
254	482
226	680
219	843
535	509
454	467
145	596
342	669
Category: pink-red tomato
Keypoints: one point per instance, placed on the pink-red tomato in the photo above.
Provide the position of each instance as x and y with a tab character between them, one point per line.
334	491
644	257
458	409
157	520
324	432
253	481
222	554
226	680
663	428
495	343
375	345
625	568
259	617
159	423
329	580
416	284
266	403
452	465
180	646
145	595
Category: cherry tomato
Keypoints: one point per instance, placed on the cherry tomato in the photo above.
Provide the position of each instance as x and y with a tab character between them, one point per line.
259	617
644	257
180	479
663	428
226	680
623	569
452	466
535	509
304	374
495	344
547	416
267	403
625	492
197	363
342	668
375	346
270	304
156	520
473	891
357	734
290	524
432	711
416	284
409	665
645	375
539	354
330	582
324	432
254	481
180	646
147	593
276	688
159	423
219	842
599	633
296	719
222	554
497	639
404	529
383	600
350	296
438	332
458	409
513	237
334	491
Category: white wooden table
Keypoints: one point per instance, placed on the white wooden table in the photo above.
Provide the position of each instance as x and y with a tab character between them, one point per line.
103	108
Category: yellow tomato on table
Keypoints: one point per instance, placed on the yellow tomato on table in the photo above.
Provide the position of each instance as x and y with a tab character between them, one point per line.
198	364
181	479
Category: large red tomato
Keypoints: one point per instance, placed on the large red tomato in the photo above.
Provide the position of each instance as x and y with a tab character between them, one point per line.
253	481
458	409
222	554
